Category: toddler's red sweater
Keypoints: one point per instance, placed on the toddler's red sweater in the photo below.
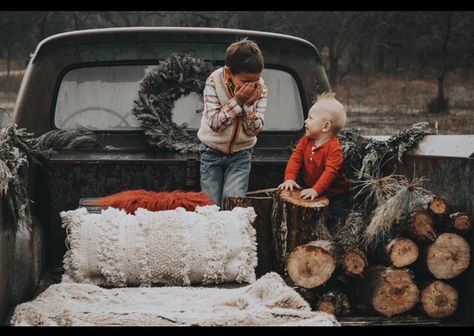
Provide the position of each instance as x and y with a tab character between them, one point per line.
322	166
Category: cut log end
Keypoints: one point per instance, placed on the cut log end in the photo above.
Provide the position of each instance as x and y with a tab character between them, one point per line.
354	262
334	302
293	197
395	292
402	252
438	206
310	266
423	227
448	256
327	307
439	300
461	222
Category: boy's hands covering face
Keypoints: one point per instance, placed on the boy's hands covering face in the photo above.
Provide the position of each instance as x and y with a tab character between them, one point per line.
246	93
309	193
256	94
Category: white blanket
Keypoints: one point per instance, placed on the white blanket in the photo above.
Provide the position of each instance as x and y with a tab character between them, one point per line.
266	302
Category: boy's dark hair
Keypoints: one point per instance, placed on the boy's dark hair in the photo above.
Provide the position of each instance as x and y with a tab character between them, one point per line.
244	56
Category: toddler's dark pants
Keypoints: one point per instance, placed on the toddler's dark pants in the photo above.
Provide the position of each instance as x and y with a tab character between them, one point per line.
339	208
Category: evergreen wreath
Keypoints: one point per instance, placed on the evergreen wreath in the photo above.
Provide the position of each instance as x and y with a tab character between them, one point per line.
172	78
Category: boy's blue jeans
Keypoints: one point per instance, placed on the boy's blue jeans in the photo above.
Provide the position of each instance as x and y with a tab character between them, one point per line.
224	175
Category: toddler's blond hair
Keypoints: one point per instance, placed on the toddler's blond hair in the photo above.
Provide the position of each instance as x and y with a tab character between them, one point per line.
334	111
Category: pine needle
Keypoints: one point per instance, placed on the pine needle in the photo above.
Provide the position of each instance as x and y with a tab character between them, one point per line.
348	233
17	149
81	139
175	76
391	217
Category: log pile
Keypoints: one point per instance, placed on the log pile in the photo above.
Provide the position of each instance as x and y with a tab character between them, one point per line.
415	268
413	261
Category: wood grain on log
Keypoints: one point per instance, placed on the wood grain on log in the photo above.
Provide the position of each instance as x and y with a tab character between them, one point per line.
262	224
389	291
423	226
448	256
438	206
460	222
354	262
402	252
293	197
311	265
334	302
439	300
296	222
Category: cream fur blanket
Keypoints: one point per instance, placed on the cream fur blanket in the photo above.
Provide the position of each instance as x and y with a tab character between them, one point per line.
172	247
268	301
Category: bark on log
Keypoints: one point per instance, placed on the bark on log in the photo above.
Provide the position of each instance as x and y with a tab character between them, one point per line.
334	302
460	222
448	256
438	206
389	291
311	265
439	300
422	226
354	262
402	252
296	222
262	204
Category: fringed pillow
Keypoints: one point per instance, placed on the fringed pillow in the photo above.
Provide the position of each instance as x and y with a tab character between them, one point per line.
131	200
173	247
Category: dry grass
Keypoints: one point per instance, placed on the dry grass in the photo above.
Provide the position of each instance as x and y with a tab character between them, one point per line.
386	104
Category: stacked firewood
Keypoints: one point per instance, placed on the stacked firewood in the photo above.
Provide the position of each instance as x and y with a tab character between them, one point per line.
409	256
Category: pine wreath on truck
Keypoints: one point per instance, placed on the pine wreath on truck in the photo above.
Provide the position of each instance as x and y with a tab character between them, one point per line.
162	86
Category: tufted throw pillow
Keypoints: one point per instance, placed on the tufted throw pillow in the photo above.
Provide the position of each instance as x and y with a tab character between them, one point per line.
172	247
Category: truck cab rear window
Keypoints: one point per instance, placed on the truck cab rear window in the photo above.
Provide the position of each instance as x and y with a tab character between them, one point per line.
101	98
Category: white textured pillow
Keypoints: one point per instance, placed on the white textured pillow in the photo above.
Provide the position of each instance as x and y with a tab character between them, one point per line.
172	247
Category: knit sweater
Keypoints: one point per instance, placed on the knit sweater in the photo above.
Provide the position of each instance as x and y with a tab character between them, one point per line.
322	166
225	125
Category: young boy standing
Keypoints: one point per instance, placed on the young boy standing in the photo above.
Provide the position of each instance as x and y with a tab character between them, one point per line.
319	153
235	98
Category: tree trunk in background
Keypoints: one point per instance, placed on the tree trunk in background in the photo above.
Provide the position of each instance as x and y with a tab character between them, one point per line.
333	67
440	103
9	56
380	59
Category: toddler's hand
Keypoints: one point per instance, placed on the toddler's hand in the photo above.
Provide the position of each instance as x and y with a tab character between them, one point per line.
289	185
309	193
